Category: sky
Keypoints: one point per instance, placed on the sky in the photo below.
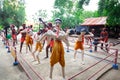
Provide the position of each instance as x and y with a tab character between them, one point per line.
93	5
32	6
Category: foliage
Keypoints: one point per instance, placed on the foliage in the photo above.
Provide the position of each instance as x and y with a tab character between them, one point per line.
40	14
1	27
64	10
71	12
110	8
101	8
13	12
82	2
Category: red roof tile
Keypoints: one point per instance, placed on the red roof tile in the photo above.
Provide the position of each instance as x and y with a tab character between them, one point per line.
94	21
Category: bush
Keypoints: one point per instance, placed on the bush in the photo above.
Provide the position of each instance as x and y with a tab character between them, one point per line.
1	27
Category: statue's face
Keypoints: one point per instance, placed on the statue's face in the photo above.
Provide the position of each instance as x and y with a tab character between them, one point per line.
83	33
58	24
24	25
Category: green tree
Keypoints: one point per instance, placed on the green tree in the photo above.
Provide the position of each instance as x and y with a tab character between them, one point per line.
63	10
70	11
13	12
40	14
102	8
82	2
19	17
110	8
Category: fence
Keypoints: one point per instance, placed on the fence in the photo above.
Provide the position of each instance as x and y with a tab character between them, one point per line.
34	75
114	66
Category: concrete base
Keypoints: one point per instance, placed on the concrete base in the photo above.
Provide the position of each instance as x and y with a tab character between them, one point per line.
15	63
8	51
6	47
115	66
68	51
90	51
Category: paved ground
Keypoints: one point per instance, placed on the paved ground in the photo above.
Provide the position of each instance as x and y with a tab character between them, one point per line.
7	70
113	74
71	68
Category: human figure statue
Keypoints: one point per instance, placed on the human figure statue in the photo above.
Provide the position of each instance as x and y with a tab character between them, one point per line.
80	45
57	54
104	37
38	47
23	35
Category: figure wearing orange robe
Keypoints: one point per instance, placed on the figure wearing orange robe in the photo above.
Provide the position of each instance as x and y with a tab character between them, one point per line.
57	54
38	47
104	37
79	44
28	39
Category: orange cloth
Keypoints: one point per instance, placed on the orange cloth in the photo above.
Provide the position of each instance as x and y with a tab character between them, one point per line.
28	39
38	47
79	45
57	54
13	52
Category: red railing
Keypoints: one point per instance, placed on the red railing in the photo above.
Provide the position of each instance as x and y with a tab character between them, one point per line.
38	74
21	60
79	73
20	57
26	66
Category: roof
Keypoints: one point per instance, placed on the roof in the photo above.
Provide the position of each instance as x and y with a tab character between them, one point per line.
94	21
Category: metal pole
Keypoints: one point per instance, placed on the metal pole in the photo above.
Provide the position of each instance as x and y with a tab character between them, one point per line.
115	65
116	56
